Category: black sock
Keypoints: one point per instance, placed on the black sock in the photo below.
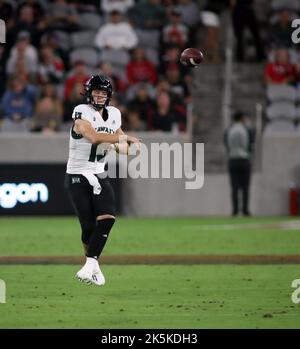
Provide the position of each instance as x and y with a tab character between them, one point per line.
99	237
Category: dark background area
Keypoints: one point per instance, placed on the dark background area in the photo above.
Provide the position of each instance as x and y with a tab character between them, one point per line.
53	177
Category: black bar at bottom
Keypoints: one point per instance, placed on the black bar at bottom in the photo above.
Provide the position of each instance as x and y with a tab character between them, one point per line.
135	337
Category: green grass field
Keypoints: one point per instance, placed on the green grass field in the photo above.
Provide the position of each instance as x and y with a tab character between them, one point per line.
61	236
152	296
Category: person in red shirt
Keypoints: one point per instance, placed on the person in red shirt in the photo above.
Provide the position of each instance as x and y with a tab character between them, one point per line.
80	75
140	69
281	71
175	32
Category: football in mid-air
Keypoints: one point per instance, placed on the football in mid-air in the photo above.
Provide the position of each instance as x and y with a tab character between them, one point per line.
191	57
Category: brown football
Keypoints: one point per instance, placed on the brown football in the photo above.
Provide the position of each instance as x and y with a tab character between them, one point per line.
191	57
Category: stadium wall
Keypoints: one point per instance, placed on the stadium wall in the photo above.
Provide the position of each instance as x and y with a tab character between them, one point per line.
161	197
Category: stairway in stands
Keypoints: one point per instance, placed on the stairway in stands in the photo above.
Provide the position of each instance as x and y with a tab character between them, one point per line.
247	90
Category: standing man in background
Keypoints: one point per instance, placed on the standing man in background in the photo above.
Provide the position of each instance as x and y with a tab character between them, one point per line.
239	141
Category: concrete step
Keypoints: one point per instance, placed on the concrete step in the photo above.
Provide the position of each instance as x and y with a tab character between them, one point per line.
208	73
247	90
205	90
244	88
248	71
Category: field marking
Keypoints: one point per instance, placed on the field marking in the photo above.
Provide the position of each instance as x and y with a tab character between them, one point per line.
155	259
289	225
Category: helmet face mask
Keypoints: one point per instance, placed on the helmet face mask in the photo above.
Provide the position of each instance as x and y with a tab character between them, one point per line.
99	98
101	83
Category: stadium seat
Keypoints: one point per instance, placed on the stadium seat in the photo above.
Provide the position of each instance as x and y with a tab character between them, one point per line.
282	126
120	72
119	57
133	90
82	38
148	38
12	126
284	110
90	21
115	57
88	55
281	93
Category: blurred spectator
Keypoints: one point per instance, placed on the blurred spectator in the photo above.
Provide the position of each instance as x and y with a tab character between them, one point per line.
134	122
178	106
168	6
171	55
177	85
23	51
79	75
243	16
162	86
175	32
76	97
51	67
108	6
143	103
189	11
281	70
6	13
140	69
117	34
115	102
281	31
119	85
210	17
53	40
39	8
48	111
164	118
26	21
148	15
18	100
21	70
62	16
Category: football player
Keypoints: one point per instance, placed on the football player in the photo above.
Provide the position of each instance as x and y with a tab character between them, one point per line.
95	131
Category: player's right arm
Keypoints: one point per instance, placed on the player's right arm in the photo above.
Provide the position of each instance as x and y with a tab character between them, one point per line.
84	128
